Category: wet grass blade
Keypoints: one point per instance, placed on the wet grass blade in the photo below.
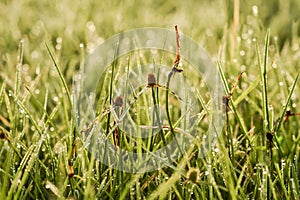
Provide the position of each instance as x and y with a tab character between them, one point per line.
28	167
62	79
227	90
287	103
24	170
245	93
263	70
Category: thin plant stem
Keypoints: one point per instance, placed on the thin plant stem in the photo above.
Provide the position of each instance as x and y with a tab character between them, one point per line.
174	70
110	95
156	107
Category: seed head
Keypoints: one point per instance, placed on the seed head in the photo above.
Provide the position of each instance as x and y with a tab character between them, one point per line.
193	175
152	80
119	101
2	136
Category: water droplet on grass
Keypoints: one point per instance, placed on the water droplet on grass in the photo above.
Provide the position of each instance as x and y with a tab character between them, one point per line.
244	36
255	10
34	54
58	46
55	98
242	53
264	172
274	65
216	150
283	163
91	26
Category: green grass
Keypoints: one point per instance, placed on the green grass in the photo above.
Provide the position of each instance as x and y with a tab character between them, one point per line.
43	48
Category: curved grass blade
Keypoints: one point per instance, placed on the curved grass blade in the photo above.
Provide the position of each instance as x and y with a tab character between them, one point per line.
63	81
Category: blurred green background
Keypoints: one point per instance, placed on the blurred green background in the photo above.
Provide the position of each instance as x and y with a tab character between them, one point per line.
90	22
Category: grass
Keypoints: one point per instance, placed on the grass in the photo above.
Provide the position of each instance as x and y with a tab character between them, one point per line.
42	155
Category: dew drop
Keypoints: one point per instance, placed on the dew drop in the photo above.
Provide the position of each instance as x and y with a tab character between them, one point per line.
244	36
255	10
91	26
55	98
242	53
34	55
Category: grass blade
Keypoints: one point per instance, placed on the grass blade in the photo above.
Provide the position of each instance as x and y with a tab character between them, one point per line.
287	103
227	90
63	81
28	166
263	70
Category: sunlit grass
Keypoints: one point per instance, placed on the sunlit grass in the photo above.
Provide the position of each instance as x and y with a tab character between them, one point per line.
43	48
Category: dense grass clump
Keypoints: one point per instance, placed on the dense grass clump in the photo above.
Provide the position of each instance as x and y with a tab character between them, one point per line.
43	48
